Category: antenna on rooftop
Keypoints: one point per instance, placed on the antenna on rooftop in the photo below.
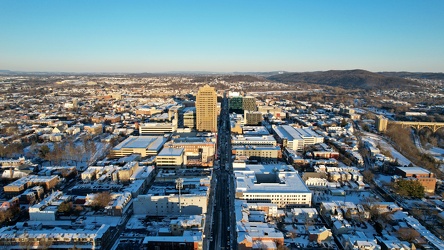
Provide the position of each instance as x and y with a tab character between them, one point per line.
179	185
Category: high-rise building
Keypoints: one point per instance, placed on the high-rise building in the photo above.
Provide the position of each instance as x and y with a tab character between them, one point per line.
239	104
249	103
252	117
206	109
235	104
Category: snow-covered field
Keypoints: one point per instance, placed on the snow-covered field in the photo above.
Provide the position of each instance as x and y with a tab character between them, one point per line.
380	111
351	196
86	158
402	160
436	151
383	178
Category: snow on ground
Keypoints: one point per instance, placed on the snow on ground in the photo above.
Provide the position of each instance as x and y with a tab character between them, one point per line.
101	149
398	156
383	178
380	111
402	160
87	157
351	196
436	151
301	241
136	222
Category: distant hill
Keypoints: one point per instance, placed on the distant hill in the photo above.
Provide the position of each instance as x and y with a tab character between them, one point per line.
5	72
228	78
349	79
418	75
260	74
241	78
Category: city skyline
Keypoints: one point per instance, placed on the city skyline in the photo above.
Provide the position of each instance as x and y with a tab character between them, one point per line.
78	36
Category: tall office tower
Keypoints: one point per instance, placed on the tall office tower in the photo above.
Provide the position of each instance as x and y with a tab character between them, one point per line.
206	109
235	104
249	103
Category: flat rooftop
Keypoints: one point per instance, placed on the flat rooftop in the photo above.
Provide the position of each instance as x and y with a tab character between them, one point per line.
171	152
190	139
291	133
156	124
188	236
255	130
253	138
151	142
247	147
414	170
269	178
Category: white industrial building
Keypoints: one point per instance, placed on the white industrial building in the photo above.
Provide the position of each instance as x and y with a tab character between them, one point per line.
157	128
296	138
276	183
163	205
264	140
183	192
143	145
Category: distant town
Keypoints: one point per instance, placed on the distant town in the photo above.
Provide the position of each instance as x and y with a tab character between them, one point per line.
212	161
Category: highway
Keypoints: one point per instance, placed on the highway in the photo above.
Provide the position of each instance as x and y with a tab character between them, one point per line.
223	227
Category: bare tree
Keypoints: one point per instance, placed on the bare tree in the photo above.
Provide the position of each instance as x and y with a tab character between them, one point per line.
368	176
101	200
408	234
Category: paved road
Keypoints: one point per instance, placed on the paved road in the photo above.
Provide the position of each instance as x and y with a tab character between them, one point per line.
223	233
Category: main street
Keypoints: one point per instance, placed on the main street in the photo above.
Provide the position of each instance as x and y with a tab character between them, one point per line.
223	228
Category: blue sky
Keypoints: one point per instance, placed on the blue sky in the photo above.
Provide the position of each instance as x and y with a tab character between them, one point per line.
223	36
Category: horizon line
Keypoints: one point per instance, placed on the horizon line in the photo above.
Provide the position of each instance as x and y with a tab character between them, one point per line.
5	71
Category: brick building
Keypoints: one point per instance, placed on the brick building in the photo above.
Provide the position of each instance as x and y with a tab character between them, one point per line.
425	177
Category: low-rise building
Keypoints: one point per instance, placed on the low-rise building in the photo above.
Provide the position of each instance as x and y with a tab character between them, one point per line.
19	186
183	192
127	171
276	183
164	205
424	176
359	240
170	158
258	152
46	209
93	237
189	117
143	145
318	234
94	129
157	128
198	151
252	233
189	240
119	205
316	182
296	138
264	140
